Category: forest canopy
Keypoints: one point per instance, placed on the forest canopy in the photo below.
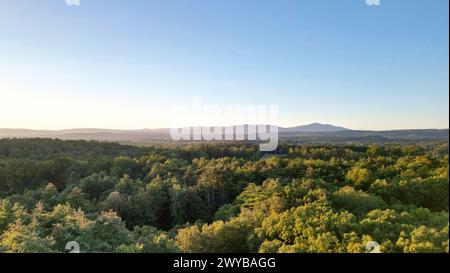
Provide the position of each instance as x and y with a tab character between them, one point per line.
223	197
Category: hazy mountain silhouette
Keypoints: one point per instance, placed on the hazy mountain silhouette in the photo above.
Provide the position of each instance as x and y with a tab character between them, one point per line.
315	132
314	127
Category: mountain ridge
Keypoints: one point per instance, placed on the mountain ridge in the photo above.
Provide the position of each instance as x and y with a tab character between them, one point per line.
314	132
313	127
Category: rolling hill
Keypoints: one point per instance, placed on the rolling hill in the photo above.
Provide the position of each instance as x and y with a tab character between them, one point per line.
315	132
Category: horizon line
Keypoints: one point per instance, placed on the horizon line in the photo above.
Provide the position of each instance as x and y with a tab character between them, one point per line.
168	128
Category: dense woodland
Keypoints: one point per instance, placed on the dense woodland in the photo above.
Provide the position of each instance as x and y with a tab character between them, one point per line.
223	197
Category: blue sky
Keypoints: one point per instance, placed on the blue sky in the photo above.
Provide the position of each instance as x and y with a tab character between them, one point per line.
123	64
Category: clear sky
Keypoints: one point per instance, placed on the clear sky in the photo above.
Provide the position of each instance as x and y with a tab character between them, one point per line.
123	64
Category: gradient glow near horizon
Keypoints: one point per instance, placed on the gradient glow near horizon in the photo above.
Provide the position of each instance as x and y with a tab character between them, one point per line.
123	64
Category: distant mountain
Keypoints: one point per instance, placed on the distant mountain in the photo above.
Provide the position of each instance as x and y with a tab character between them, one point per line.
311	133
314	128
122	136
